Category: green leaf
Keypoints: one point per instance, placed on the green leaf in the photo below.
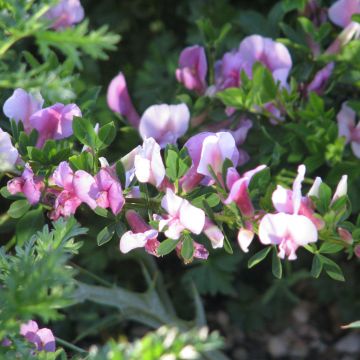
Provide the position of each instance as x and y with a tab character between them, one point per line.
316	266
258	257
120	229
167	246
105	235
263	88
18	208
234	97
332	269
28	225
227	245
330	248
84	131
187	249
324	198
172	163
276	264
106	135
120	172
84	161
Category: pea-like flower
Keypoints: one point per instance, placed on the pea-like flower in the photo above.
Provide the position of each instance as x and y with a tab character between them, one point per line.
28	184
8	153
181	215
21	105
118	100
148	164
193	68
165	123
141	235
54	122
65	14
43	338
348	128
288	228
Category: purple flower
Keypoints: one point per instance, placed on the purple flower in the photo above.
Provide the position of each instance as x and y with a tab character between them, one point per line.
193	68
348	128
43	339
165	123
21	105
228	69
54	122
118	100
321	78
341	11
65	14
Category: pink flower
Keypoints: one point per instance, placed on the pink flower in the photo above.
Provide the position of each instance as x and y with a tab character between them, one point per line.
245	238
215	149
357	251
273	55
104	190
214	234
149	167
8	153
288	232
193	68
65	14
181	216
118	100
54	122
238	186
43	339
321	78
341	11
165	123
200	251
66	201
142	235
206	149
347	128
228	69
28	184
21	105
294	225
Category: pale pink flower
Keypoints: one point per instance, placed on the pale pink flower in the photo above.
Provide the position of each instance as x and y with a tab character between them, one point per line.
43	339
65	14
288	231
8	153
21	105
348	128
294	225
118	100
28	184
181	215
238	186
215	149
66	201
54	122
103	190
345	235
193	68
141	235
149	167
273	55
206	149
214	234
165	123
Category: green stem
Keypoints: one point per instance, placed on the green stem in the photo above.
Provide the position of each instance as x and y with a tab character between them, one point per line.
70	346
91	275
